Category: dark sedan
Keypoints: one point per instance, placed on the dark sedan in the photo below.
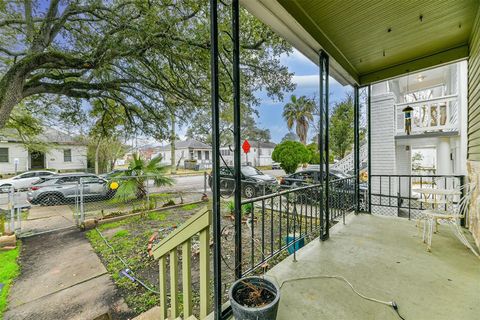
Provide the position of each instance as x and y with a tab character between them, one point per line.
339	182
254	182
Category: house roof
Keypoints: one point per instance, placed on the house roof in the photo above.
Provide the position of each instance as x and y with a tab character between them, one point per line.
189	144
49	135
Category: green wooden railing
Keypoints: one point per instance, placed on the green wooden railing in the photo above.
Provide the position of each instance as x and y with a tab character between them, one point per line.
182	237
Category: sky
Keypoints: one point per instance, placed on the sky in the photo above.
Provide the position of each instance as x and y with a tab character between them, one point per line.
306	78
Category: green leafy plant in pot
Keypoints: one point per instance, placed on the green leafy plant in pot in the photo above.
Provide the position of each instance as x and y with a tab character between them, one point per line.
254	298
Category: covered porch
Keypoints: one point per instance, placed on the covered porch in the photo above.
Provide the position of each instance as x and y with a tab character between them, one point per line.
383	258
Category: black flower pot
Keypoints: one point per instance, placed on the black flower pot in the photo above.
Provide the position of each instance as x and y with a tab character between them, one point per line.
254	298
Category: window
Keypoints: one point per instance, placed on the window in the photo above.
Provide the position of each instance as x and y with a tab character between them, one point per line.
26	175
44	173
67	155
207	155
3	154
199	155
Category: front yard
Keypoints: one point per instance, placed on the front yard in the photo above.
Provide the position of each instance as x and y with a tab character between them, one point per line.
129	239
9	270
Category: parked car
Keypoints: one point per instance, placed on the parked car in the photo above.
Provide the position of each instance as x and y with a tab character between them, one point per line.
254	182
307	177
60	189
23	181
113	173
276	166
311	176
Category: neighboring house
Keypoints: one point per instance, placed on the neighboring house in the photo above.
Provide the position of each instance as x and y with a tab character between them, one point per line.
189	149
260	154
65	153
438	98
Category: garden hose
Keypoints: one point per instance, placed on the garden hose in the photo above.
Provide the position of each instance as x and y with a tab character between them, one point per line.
126	272
392	304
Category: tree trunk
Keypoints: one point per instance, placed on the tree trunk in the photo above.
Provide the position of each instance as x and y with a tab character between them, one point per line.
11	87
173	168
97	151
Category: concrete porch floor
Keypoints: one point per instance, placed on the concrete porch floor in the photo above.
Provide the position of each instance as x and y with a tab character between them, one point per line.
383	258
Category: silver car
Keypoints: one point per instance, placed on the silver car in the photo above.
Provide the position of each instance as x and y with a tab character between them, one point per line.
64	188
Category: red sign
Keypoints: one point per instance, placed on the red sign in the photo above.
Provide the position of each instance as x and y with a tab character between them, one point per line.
246	146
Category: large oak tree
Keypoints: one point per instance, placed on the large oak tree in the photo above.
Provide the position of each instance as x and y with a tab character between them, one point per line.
57	54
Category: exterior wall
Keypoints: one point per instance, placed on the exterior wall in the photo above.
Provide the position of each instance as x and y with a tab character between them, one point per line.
185	154
256	158
474	129
382	134
54	158
15	151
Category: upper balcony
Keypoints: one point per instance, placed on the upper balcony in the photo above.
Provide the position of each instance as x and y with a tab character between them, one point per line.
436	115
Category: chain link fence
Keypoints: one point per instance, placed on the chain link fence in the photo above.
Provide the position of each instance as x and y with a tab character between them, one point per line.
68	200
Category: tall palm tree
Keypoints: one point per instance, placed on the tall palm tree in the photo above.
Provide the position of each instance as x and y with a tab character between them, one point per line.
299	111
134	180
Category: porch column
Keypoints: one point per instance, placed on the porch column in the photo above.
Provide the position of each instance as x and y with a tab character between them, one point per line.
237	161
444	162
323	146
356	146
369	146
217	282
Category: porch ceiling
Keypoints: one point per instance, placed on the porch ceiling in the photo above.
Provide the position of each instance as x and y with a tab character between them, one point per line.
356	33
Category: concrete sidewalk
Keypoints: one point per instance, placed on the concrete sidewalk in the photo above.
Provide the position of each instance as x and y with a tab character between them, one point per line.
62	278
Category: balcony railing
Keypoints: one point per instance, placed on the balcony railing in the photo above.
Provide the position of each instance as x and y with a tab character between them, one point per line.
433	115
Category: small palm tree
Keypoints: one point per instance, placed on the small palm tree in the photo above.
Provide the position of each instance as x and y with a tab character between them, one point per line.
299	111
134	180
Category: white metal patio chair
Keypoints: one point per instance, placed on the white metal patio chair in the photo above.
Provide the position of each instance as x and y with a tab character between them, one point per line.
432	217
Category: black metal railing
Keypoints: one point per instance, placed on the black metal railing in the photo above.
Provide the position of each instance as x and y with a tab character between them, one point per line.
342	197
395	195
287	220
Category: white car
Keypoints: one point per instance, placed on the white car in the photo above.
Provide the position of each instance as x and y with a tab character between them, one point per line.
23	181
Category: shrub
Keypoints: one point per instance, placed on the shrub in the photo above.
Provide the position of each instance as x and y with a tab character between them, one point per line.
290	154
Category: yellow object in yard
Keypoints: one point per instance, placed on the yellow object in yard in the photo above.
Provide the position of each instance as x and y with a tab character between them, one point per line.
114	185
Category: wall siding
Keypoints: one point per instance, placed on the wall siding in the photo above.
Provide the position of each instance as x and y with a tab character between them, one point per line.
383	137
474	94
474	128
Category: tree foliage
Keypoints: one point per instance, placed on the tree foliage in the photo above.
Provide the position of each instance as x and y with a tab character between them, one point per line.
299	112
341	128
134	180
314	153
290	136
140	54
290	154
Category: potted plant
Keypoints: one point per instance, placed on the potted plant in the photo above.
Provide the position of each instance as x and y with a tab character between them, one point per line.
254	298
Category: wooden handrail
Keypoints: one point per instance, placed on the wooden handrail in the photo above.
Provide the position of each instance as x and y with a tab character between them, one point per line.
197	224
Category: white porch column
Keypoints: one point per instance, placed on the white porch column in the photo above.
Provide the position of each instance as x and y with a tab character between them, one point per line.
444	163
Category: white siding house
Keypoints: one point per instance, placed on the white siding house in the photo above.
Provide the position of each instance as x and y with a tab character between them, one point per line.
260	154
64	153
438	99
189	149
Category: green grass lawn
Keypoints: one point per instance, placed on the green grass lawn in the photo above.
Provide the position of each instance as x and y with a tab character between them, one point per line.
9	270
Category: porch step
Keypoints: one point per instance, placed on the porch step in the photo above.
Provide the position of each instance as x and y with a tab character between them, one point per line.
154	314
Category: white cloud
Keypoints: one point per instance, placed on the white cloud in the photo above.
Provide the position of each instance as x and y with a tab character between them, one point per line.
311	80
